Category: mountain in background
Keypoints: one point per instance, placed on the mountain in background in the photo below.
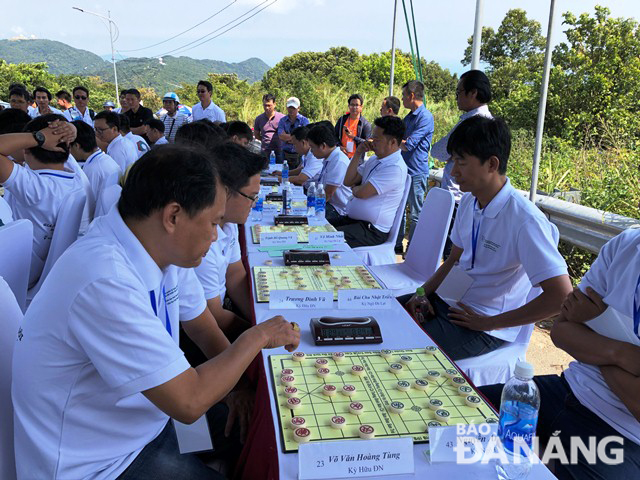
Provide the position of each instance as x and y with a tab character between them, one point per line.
161	74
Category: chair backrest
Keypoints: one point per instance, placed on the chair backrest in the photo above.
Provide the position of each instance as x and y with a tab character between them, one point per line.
16	246
108	198
10	318
397	221
64	233
430	235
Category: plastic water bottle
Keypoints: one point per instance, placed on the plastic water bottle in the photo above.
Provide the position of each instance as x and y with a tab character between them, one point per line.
311	200
422	304
321	202
272	159
287	198
285	173
256	210
518	419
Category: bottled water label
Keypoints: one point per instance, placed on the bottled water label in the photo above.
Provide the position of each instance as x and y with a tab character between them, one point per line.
517	425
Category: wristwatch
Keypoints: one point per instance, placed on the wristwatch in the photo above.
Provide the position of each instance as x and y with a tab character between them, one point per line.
39	137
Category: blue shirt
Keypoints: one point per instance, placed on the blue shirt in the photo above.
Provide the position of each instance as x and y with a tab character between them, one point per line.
418	132
285	126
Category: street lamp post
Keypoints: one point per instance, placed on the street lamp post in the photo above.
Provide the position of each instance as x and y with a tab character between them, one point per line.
111	25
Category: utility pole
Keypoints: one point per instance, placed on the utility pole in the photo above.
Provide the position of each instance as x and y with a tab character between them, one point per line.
393	46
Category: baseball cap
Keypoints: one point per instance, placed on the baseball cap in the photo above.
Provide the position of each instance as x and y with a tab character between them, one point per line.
108	104
293	102
171	96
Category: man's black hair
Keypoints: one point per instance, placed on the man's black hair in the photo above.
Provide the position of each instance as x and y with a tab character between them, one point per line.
20	92
125	124
322	133
415	87
354	97
63	94
111	118
391	126
393	103
239	129
205	84
155	124
13	120
123	92
201	133
237	164
135	92
300	133
80	87
268	97
86	136
16	85
42	90
169	173
477	80
482	137
42	155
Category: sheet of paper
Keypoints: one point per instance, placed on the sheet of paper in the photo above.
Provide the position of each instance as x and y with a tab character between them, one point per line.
299	300
278	239
613	324
455	285
368	458
194	437
330	238
375	299
452	444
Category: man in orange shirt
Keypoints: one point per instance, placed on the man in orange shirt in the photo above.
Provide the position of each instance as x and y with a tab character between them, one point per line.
352	128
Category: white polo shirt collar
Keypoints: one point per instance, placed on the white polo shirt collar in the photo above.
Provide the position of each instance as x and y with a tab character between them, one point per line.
145	266
497	203
92	157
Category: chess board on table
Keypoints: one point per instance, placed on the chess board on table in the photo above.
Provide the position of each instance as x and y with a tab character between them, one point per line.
296	277
302	231
376	390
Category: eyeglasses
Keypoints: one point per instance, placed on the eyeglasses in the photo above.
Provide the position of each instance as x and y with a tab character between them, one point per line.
202	91
249	197
100	130
79	97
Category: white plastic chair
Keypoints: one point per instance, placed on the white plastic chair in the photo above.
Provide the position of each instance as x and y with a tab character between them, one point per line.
10	318
108	198
425	249
498	366
16	247
64	234
385	252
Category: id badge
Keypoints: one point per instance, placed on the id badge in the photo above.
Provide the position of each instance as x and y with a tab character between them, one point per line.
455	285
349	147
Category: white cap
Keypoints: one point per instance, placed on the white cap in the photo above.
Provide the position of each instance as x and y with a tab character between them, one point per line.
293	102
524	370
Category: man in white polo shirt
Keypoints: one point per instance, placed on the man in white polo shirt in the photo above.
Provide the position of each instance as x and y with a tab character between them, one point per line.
597	395
502	246
101	170
206	108
42	96
80	111
97	371
37	190
221	271
377	185
324	145
107	127
310	166
138	141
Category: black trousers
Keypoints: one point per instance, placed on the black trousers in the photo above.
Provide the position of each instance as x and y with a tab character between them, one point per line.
358	233
561	414
457	342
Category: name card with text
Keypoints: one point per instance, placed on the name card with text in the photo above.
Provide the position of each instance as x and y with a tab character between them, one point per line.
325	460
295	299
268	239
326	238
270	209
368	299
266	189
457	443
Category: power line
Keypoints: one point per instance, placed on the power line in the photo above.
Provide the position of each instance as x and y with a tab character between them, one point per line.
183	47
182	33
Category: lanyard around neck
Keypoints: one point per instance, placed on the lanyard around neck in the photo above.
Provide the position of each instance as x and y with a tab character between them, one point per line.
474	234
636	311
152	297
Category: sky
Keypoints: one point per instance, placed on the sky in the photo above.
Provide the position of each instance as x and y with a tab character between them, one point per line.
283	28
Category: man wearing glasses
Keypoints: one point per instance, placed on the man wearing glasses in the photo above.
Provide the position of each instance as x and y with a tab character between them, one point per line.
206	108
80	111
221	272
122	150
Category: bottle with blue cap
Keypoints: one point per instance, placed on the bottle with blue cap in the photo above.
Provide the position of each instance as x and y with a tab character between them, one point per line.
272	159
285	172
519	407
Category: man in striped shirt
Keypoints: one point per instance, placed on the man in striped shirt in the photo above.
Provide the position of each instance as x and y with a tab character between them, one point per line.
173	120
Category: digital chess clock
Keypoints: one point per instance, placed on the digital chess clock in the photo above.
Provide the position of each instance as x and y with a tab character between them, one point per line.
345	331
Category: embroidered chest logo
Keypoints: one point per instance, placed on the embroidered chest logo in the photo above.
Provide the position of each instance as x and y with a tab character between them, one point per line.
20	335
493	246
